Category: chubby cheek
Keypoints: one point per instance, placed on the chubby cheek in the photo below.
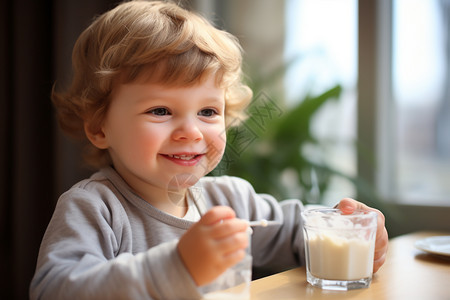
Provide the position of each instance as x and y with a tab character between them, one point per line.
138	145
146	144
216	148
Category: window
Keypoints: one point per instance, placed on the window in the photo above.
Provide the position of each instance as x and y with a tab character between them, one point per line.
404	114
323	34
420	81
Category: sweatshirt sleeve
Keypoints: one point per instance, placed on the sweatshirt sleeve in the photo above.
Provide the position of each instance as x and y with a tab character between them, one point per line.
279	247
80	258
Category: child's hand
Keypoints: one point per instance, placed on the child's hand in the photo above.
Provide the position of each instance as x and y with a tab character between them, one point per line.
213	244
348	205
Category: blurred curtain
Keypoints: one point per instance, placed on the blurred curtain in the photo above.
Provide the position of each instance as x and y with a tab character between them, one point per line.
36	38
26	139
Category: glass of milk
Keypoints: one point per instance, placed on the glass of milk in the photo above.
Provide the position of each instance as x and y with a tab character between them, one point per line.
234	284
339	248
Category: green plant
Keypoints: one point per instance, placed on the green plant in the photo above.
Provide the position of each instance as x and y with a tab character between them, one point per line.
268	149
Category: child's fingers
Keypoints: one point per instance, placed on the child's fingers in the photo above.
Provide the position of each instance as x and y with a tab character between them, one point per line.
382	238
233	243
381	247
234	257
221	222
377	263
348	206
217	214
227	228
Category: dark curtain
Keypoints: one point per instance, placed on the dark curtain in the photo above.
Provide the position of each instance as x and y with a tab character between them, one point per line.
37	163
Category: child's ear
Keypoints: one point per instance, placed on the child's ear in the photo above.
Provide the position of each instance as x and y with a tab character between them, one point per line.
98	138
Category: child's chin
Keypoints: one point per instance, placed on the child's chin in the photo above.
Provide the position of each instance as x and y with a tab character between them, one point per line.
183	181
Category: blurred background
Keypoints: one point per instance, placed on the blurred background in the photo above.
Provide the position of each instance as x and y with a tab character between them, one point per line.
351	99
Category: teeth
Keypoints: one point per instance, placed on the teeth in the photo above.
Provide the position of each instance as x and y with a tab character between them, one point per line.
182	157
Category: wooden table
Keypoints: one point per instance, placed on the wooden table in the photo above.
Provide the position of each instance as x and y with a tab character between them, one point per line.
408	273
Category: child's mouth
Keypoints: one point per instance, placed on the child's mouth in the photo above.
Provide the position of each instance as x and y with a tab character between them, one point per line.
184	159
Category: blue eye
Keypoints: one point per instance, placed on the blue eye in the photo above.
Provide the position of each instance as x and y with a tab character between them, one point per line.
207	112
159	111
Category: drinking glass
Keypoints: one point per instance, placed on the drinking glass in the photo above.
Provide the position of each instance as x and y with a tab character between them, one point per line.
339	248
234	283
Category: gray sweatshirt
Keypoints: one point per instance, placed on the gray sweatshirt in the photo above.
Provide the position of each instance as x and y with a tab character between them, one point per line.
105	242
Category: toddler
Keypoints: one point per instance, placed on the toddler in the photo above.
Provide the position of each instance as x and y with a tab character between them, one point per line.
154	89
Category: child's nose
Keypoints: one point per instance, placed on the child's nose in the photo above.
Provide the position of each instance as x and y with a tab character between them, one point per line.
187	130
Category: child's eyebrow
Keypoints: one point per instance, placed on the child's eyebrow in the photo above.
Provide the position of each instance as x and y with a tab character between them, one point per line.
210	100
151	96
219	100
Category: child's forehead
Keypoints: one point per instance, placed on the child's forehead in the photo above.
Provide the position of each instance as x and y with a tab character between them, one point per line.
141	92
158	74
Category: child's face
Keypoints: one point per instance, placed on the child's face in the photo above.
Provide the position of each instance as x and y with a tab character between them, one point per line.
163	138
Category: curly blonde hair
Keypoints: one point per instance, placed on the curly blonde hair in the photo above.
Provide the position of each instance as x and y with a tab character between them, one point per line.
141	38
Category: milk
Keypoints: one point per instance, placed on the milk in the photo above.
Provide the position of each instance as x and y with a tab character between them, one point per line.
339	258
339	248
